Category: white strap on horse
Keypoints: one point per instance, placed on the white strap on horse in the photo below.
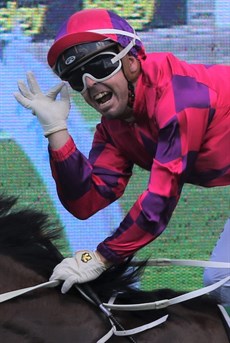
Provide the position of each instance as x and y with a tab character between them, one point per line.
157	305
168	302
13	294
162	262
225	315
157	262
131	332
160	304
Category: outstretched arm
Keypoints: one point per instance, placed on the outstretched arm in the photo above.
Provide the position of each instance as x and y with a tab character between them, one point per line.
84	185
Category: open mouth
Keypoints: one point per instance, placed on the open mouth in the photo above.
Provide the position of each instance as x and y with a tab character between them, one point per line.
103	97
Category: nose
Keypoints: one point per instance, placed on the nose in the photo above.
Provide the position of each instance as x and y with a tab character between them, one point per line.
89	82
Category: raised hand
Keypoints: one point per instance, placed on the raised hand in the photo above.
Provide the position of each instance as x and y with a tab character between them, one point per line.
52	113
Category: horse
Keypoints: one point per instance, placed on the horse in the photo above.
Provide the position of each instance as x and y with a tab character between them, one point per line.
28	253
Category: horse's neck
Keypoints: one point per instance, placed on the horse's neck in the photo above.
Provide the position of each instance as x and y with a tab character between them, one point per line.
14	275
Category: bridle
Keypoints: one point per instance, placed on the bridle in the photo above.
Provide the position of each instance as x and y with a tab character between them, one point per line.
87	292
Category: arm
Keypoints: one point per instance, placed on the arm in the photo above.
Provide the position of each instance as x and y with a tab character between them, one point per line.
180	139
86	185
58	139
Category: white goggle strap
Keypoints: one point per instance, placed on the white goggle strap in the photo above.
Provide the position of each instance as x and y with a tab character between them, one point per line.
123	33
104	78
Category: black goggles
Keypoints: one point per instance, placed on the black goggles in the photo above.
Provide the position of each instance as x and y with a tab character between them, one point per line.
99	68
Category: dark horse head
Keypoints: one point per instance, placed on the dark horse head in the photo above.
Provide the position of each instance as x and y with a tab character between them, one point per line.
28	256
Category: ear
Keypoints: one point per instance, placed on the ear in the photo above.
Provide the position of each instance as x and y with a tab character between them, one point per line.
131	67
133	64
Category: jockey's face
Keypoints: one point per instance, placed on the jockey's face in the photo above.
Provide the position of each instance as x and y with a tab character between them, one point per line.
110	97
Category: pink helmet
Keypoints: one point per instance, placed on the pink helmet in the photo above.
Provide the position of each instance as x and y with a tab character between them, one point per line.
93	25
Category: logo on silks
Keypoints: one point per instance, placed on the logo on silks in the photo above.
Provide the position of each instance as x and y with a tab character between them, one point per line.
86	257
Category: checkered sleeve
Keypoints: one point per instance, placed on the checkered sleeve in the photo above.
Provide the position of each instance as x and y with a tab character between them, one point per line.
86	185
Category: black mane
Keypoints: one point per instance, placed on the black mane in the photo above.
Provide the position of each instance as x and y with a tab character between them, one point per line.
28	236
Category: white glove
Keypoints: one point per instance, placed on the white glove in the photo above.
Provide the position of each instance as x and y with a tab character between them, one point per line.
52	114
83	267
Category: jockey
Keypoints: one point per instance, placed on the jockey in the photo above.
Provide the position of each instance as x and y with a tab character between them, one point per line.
163	114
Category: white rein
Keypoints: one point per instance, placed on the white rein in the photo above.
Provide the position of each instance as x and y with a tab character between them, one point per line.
144	306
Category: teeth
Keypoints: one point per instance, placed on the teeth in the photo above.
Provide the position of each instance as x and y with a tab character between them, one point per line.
100	95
